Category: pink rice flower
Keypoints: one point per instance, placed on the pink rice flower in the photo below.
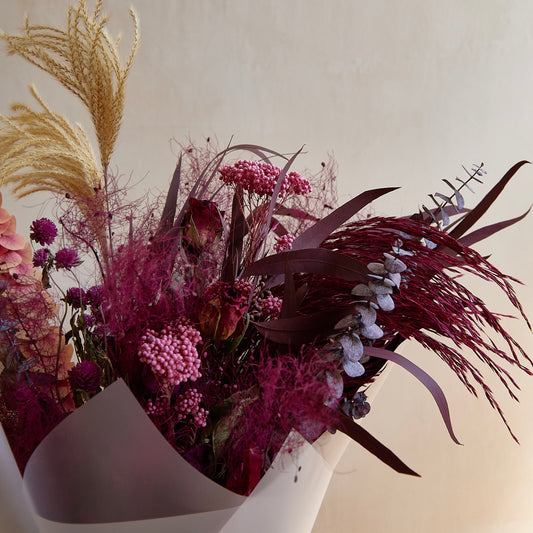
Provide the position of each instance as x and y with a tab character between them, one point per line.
171	353
188	404
269	306
284	242
261	178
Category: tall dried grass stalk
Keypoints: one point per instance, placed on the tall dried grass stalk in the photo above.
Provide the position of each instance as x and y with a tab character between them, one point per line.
85	60
41	151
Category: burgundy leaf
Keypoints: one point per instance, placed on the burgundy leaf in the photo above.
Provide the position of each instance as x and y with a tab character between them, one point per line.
423	377
288	307
236	236
169	211
277	188
371	444
314	235
301	329
294	212
316	261
487	231
471	218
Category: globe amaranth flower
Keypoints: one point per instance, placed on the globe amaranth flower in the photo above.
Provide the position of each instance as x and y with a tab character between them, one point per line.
43	231
40	257
95	296
85	376
76	297
66	258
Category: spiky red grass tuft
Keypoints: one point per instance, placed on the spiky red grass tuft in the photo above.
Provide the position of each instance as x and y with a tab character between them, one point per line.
432	306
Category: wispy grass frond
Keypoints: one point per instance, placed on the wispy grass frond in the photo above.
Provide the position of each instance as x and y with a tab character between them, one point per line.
42	151
85	60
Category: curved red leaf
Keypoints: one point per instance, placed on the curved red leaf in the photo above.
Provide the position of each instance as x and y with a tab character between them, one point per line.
471	218
312	261
423	377
314	235
371	444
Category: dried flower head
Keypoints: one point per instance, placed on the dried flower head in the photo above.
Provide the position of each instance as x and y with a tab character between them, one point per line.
66	258
43	231
76	297
171	352
261	178
41	257
85	376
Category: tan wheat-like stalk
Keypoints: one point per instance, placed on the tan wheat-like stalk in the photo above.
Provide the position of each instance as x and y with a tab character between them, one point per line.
85	60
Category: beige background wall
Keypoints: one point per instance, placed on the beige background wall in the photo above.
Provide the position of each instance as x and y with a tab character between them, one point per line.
403	93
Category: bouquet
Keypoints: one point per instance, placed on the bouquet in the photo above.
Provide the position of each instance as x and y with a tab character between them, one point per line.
243	310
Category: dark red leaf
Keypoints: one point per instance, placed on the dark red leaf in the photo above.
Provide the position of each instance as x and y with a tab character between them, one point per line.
487	231
294	212
471	218
314	235
371	444
301	329
315	261
423	377
235	240
288	307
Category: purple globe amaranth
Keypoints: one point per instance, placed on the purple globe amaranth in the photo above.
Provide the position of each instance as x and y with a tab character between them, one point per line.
43	231
66	258
95	296
40	257
76	297
85	376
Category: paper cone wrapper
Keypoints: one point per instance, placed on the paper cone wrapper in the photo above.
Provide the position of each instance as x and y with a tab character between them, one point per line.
107	468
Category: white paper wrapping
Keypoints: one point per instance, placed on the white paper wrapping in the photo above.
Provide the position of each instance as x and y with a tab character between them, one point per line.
107	468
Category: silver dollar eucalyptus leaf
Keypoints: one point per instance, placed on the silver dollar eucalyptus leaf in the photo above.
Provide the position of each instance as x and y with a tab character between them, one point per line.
367	312
385	301
373	332
352	347
353	368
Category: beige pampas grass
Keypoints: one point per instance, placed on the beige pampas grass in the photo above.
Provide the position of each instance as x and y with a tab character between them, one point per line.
41	151
85	60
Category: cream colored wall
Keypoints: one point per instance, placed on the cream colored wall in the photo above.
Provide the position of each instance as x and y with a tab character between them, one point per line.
403	93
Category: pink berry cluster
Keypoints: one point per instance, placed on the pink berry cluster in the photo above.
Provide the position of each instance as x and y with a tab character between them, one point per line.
156	407
189	405
261	178
269	306
171	352
283	242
